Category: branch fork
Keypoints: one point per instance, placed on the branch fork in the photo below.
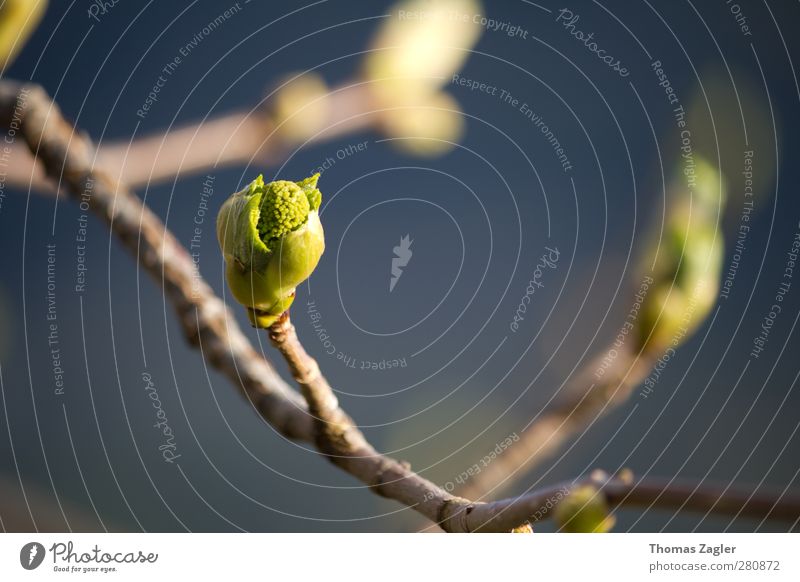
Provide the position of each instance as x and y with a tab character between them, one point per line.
67	155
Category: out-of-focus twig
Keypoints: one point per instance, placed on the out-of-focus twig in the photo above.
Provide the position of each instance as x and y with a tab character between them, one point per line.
35	510
337	437
624	490
584	400
397	90
240	137
675	297
67	156
243	137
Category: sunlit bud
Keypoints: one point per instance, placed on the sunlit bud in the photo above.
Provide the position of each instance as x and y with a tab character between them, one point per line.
584	510
300	107
428	128
271	239
18	20
419	47
688	262
413	56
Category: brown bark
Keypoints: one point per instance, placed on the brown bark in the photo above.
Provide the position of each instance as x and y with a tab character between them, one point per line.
68	156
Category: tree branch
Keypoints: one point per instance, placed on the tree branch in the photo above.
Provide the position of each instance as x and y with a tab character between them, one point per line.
337	437
623	490
239	137
584	400
69	157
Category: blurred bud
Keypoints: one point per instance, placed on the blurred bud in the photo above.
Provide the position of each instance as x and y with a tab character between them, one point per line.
584	510
272	240
18	20
738	98
688	262
415	53
420	46
301	107
426	129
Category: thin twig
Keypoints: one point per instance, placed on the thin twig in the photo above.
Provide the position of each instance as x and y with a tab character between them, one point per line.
585	399
237	138
624	490
344	445
68	157
684	495
337	437
31	508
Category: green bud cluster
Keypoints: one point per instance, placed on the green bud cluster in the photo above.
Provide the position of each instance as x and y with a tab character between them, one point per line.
271	239
284	207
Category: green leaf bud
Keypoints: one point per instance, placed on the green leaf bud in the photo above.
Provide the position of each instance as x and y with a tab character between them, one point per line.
688	264
414	54
300	107
584	510
272	239
418	48
428	128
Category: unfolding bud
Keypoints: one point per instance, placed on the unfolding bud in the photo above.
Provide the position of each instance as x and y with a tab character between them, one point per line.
584	510
419	47
18	19
426	128
414	54
272	239
688	264
300	107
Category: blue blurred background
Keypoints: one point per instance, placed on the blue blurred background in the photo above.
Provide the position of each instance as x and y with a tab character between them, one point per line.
480	217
